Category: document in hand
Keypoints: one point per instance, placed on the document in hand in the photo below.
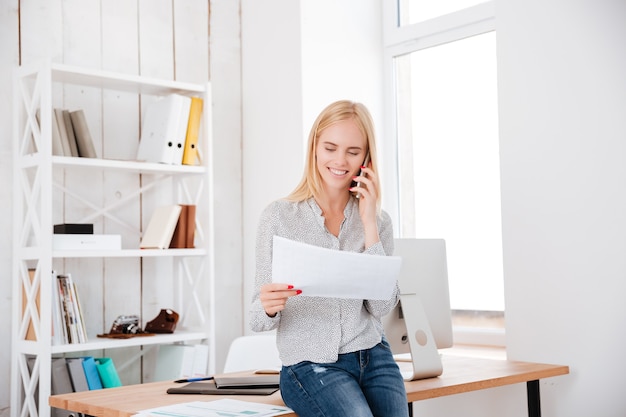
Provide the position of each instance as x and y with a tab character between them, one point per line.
325	272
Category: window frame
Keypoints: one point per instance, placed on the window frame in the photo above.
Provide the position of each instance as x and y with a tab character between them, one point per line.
402	40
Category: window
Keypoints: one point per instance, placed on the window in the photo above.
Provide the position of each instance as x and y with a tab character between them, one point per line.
415	11
445	95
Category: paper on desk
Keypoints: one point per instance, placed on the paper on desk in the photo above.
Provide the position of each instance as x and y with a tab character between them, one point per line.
325	272
217	408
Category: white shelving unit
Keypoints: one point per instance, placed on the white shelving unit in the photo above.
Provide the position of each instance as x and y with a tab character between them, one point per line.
36	199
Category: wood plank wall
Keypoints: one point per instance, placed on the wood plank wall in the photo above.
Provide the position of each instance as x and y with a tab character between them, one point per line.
155	38
166	39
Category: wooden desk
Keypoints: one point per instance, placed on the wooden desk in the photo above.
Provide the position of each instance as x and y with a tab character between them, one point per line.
460	375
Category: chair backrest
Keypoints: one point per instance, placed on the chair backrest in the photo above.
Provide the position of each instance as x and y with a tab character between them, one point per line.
252	353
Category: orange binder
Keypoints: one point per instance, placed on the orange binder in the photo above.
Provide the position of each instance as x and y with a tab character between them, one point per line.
190	152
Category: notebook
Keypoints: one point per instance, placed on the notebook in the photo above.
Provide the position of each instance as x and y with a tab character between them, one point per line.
247	381
209	388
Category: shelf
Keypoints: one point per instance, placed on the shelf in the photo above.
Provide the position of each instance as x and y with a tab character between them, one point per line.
89	77
115	164
128	253
52	187
130	166
96	343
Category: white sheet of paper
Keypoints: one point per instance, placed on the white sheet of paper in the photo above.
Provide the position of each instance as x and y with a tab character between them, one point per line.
217	408
321	272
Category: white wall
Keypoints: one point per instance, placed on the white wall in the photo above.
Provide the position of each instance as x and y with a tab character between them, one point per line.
225	67
562	81
562	104
312	53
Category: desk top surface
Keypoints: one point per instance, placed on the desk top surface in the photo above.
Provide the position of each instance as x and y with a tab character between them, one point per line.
460	374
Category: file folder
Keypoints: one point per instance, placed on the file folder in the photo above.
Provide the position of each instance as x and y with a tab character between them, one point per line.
193	129
164	130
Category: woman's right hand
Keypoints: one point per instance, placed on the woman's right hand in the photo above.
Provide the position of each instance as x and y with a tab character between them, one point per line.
274	297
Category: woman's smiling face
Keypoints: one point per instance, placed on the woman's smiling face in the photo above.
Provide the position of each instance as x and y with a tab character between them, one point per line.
341	149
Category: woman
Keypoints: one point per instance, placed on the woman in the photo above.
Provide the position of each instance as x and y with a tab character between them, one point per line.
336	361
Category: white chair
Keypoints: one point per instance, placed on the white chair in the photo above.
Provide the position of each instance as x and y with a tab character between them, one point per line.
253	353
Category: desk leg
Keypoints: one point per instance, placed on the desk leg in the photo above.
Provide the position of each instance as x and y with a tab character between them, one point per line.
534	401
410	409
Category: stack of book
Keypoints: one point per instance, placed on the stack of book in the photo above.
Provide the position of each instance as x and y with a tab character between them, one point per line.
67	314
171	226
169	130
89	373
79	374
70	134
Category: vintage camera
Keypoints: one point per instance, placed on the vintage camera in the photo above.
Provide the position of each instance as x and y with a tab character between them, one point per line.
164	322
126	325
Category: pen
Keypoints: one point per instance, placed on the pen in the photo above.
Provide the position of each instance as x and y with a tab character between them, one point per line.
206	378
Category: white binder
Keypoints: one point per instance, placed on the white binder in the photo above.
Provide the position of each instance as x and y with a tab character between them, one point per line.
164	129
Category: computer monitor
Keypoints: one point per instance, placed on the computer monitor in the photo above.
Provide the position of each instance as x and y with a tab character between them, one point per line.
421	323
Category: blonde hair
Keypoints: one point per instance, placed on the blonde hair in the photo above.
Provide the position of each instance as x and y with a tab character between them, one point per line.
311	183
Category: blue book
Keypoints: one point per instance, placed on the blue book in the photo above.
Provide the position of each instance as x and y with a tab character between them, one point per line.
108	373
91	372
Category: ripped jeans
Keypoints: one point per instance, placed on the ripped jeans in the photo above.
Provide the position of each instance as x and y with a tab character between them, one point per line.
365	383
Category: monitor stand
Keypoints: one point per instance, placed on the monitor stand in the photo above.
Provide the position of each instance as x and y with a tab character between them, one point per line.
424	354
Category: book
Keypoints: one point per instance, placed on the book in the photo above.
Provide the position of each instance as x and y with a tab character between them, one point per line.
79	311
71	311
248	381
190	233
91	373
86	242
57	147
61	384
209	388
77	374
164	129
184	233
108	373
84	141
59	331
65	142
67	311
179	238
160	230
190	152
71	136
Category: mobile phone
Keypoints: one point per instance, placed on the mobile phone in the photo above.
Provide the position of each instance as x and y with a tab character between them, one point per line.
358	184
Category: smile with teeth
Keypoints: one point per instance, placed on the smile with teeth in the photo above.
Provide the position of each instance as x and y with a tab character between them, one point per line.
337	171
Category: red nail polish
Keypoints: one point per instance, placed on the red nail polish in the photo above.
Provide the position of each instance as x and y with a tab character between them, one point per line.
289	287
298	292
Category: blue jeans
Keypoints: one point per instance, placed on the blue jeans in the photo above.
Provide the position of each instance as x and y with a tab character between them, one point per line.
365	383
